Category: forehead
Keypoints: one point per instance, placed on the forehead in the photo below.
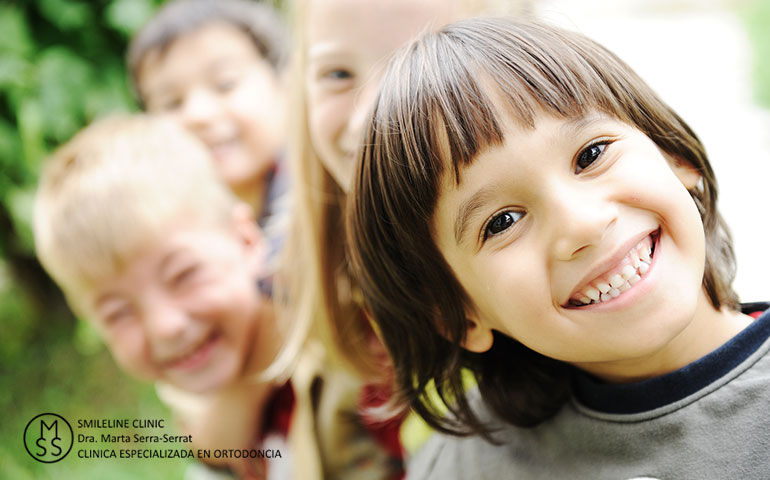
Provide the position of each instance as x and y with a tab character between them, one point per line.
514	166
371	27
195	53
161	252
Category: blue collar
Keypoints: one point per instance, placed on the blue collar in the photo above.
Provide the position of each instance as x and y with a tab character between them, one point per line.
660	391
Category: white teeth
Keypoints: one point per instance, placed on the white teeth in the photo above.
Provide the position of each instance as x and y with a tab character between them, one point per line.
628	272
603	290
592	293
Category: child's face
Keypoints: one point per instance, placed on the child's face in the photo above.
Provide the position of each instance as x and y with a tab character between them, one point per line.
216	83
542	223
186	310
348	44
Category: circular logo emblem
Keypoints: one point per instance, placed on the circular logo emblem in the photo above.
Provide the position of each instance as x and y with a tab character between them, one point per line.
48	438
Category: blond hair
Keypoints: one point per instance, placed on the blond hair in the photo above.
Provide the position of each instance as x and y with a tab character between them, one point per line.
317	277
113	189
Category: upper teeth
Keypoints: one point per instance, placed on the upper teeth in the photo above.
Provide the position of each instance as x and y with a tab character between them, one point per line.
611	284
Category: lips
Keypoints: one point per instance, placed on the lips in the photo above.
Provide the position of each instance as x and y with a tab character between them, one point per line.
195	356
618	278
221	148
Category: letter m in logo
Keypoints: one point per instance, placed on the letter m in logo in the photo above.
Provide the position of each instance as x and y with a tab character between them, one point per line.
54	426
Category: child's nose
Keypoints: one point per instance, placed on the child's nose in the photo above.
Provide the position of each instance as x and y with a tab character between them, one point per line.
165	323
200	107
580	217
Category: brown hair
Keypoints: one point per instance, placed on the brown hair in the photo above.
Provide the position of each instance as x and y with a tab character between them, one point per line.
316	275
258	20
432	114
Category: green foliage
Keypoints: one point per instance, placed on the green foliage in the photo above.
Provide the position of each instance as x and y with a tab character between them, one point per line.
756	15
61	66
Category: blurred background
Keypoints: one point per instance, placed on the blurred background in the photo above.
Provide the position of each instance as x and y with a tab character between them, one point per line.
61	66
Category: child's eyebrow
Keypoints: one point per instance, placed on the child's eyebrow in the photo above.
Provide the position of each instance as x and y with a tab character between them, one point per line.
470	209
169	259
105	300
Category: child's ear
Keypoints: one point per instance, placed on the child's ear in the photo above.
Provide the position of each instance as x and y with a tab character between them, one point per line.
686	173
478	338
249	234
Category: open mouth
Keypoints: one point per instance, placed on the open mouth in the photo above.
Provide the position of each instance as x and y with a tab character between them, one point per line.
621	278
222	148
195	356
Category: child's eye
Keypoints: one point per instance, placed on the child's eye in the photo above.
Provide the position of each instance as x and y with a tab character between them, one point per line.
166	104
225	83
501	222
224	86
338	74
116	316
589	155
185	276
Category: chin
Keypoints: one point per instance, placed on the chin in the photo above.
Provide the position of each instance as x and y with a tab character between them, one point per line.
212	380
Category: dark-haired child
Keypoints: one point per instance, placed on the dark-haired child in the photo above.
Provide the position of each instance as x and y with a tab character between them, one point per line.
526	207
217	66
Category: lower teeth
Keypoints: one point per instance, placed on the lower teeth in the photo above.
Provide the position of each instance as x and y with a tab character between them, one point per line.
642	269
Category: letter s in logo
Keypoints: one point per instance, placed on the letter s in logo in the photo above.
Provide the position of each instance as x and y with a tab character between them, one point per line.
54	432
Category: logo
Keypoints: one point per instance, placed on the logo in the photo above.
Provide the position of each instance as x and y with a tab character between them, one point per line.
48	438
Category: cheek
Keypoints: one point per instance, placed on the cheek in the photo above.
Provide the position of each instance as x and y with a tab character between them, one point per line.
260	114
327	117
234	304
517	285
128	350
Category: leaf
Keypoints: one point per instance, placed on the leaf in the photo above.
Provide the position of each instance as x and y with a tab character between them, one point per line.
15	37
128	16
20	203
65	81
12	168
110	94
14	71
30	122
67	15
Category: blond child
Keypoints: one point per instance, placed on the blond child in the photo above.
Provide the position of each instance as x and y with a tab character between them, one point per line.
527	208
341	47
155	252
217	66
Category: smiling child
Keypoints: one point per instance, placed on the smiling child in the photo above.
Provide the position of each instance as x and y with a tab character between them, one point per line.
217	68
155	252
527	208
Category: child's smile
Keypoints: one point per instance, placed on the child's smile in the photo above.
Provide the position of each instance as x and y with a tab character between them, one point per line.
186	310
579	238
619	278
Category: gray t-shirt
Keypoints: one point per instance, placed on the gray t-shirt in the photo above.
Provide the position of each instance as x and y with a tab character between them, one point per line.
708	420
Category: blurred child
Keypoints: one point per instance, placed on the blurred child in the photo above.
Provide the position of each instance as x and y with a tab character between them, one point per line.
341	48
529	209
217	67
154	251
